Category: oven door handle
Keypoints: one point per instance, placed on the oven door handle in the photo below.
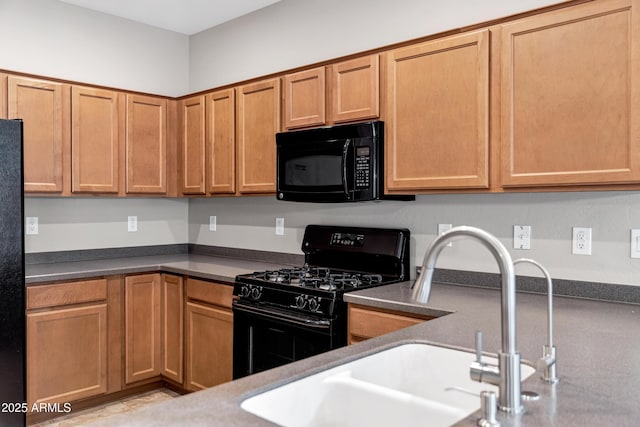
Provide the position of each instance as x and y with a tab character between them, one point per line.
280	316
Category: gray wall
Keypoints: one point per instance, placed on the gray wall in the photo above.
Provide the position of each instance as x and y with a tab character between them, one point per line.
101	222
294	33
106	50
55	39
250	223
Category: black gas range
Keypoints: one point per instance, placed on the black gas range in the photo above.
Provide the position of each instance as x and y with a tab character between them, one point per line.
285	315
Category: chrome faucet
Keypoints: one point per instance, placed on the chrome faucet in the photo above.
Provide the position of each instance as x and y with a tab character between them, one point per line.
507	374
546	365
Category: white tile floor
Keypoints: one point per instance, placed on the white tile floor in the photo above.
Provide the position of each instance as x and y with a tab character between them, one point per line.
106	410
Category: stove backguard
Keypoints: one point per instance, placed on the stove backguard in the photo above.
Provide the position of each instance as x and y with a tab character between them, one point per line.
370	250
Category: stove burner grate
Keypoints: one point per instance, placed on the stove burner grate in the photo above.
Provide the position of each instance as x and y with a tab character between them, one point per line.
319	278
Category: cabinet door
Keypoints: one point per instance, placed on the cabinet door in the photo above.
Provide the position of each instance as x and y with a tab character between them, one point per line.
437	114
569	96
3	96
146	161
209	346
95	140
44	108
66	354
304	98
172	314
365	323
258	119
192	112
142	327
355	89
221	142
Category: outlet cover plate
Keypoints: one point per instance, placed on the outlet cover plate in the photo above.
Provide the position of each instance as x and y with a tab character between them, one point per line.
32	225
279	226
581	241
132	223
522	237
442	228
635	243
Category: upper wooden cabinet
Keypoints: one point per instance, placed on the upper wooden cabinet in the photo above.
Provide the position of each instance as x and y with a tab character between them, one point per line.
304	98
355	89
437	114
192	135
146	145
221	142
258	121
570	96
44	107
341	92
95	140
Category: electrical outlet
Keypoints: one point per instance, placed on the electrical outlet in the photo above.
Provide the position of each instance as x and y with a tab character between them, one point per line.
279	226
581	242
635	243
32	225
442	228
212	223
132	223
522	237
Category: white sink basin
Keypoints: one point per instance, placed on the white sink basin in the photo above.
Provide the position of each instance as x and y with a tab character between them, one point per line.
398	387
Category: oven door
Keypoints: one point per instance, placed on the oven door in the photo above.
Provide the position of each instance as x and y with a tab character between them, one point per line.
264	338
315	171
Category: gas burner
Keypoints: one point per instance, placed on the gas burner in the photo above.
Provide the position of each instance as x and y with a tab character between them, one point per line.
276	276
327	286
308	272
313	282
371	279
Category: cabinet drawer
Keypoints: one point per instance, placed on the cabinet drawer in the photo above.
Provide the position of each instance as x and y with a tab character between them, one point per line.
365	323
66	293
210	292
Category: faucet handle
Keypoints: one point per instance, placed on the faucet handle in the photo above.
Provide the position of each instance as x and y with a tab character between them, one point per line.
479	347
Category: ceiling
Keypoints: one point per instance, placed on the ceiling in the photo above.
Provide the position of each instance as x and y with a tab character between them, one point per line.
182	16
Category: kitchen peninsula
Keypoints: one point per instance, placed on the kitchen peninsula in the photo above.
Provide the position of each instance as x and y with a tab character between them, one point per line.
599	367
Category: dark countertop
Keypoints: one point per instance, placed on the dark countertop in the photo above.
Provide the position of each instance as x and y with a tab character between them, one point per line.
219	269
597	343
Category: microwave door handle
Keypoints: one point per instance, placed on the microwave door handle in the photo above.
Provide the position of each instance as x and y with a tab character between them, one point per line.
345	153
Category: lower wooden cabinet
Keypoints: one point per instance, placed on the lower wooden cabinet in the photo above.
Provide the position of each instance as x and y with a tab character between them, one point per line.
366	322
67	350
172	317
209	334
88	339
142	327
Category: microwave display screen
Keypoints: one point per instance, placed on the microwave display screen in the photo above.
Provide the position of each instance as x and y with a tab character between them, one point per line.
362	151
313	170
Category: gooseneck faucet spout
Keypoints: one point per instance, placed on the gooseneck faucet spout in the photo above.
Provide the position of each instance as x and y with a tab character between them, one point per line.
507	376
548	362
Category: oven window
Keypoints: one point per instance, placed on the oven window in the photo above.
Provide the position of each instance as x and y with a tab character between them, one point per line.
262	343
313	170
274	346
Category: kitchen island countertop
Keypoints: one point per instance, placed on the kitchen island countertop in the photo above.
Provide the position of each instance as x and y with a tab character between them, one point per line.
597	343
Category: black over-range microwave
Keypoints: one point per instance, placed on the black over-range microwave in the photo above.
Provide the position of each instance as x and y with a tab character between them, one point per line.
343	163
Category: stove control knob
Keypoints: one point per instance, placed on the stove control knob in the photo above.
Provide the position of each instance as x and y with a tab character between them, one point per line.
245	291
256	293
314	304
300	301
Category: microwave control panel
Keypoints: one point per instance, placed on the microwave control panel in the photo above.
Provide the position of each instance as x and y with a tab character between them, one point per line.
363	167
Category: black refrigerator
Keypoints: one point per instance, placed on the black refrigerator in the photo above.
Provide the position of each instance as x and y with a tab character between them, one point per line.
12	290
